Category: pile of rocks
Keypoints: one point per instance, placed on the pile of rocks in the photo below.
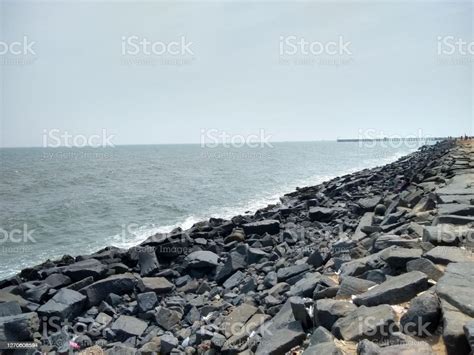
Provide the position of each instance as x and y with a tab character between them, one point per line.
376	262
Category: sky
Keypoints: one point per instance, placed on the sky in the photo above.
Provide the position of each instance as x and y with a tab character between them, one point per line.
294	70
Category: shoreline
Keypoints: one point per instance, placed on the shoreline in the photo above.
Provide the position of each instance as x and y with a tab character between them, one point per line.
283	278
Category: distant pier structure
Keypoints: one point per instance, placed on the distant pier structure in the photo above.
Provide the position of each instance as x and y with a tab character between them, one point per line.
397	139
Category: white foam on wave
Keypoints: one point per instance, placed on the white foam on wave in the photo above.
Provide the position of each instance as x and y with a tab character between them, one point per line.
227	212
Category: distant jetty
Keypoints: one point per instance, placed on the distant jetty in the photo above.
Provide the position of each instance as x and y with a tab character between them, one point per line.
397	139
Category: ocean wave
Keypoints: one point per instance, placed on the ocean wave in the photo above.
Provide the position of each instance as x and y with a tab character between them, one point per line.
227	212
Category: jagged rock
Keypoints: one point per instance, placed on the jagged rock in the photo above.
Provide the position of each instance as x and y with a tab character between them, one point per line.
57	280
168	343
320	335
398	257
283	340
323	348
20	327
305	286
271	279
148	262
457	286
369	203
237	318
235	261
287	272
426	267
234	281
238	340
167	318
118	284
301	312
362	228
445	255
353	286
156	284
323	214
66	304
11	308
469	332
82	269
396	290
453	332
316	259
269	226
328	311
386	241
146	301
126	326
365	323
423	316
203	259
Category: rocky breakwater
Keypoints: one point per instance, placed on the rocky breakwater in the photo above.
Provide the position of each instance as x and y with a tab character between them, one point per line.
376	262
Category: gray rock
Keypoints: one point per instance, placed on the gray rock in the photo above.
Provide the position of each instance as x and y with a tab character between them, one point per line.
283	340
148	262
118	284
155	284
365	323
305	286
426	267
20	327
301	312
422	318
285	273
127	326
269	226
167	318
395	290
236	319
457	286
66	304
234	281
320	335
398	257
386	241
235	261
57	280
10	308
353	286
323	214
316	259
168	343
146	301
85	268
328	311
445	255
202	259
469	332
453	331
323	348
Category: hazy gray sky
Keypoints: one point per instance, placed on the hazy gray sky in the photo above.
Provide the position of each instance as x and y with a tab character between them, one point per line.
240	73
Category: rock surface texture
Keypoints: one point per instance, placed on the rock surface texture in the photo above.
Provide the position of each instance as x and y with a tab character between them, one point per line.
375	262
